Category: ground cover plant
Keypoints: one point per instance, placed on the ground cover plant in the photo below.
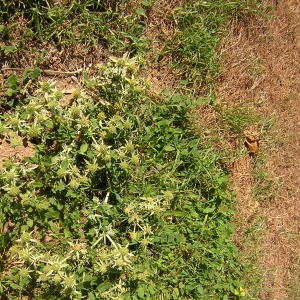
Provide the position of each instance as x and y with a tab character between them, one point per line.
122	198
122	191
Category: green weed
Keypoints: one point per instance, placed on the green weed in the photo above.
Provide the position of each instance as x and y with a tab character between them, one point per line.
239	117
118	200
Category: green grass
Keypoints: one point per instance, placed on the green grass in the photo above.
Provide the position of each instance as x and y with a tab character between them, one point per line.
238	117
122	199
200	26
89	23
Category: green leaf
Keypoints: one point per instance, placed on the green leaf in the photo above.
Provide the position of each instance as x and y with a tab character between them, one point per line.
12	81
35	73
2	27
200	289
11	103
29	222
103	287
141	292
60	186
177	97
151	289
8	49
176	293
175	213
67	232
169	148
209	210
86	80
64	164
49	124
184	82
146	3
25	74
91	296
140	11
223	179
53	227
14	286
85	77
166	91
24	227
90	278
10	92
83	148
37	184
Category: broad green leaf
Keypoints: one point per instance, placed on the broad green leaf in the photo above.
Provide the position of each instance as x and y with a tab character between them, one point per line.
176	293
49	124
11	103
83	148
8	49
24	228
200	289
60	186
146	3
90	278
67	232
169	148
29	222
53	227
103	287
151	289
64	164
223	179
177	97
91	296
10	92
35	73
140	11
25	74
209	210
141	292
12	81
14	286
167	91
37	184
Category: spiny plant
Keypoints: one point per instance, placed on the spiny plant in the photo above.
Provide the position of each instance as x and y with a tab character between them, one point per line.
119	200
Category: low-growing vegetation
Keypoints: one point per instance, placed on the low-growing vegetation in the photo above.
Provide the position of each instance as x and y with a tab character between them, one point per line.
122	198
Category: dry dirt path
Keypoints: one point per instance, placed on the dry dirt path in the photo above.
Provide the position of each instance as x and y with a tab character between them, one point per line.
262	62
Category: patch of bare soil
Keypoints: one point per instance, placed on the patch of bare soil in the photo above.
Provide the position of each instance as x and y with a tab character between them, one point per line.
262	62
18	153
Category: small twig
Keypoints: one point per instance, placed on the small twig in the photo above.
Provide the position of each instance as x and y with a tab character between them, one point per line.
47	72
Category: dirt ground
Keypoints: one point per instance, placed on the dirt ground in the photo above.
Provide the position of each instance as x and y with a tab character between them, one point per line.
262	63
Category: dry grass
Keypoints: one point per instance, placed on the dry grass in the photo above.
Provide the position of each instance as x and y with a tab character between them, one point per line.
262	63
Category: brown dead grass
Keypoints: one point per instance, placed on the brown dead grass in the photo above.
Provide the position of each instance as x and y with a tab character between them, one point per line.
262	63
